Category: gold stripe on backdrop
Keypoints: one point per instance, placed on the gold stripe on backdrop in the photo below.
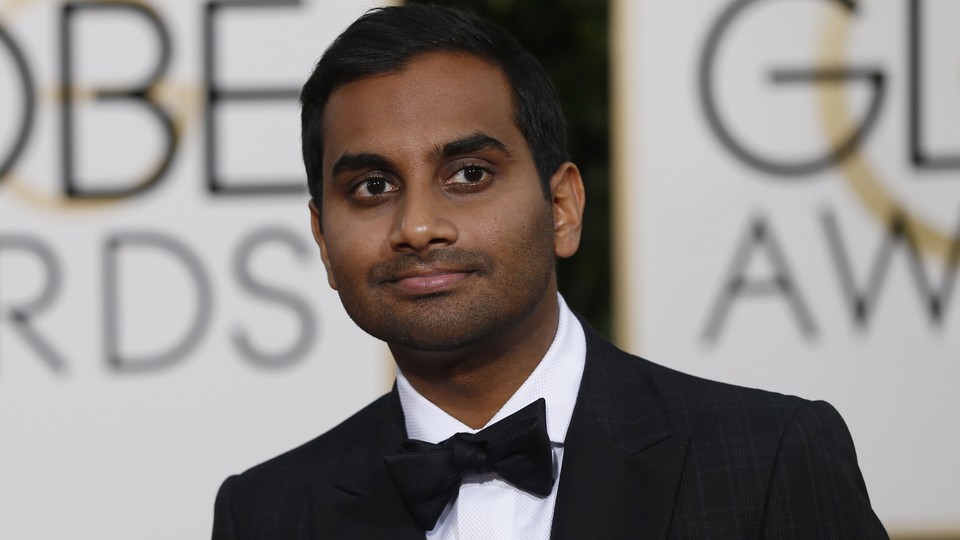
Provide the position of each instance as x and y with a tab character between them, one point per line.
625	180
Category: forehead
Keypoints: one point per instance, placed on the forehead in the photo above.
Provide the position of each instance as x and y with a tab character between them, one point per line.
436	98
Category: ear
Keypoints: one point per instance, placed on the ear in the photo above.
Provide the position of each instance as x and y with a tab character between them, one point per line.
568	198
321	242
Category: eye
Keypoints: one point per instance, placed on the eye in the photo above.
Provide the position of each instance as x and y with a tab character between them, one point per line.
470	175
372	187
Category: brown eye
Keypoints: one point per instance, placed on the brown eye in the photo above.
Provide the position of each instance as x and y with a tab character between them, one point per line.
473	174
372	188
470	175
376	186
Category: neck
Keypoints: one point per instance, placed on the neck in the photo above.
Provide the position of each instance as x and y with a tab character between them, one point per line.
472	383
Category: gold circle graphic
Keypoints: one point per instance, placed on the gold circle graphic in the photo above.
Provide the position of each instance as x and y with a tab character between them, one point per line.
182	102
857	171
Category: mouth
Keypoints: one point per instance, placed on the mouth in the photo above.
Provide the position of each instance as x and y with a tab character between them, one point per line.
428	281
433	273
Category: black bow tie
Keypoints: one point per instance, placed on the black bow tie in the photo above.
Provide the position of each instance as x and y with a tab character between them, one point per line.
517	448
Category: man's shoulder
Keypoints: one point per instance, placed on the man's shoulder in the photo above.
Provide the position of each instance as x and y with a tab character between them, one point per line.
696	404
761	460
677	389
275	496
316	460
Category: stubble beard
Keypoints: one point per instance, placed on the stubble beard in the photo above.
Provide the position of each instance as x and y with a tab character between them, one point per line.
497	300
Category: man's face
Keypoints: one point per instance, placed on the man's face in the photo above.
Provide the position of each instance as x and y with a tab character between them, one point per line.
436	232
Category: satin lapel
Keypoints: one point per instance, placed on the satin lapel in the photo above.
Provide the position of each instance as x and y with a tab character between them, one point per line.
621	462
362	502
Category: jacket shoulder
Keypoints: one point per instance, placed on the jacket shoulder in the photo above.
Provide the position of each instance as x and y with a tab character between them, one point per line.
687	400
331	444
281	486
764	461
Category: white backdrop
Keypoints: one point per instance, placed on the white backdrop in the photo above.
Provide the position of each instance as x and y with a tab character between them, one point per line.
746	246
157	340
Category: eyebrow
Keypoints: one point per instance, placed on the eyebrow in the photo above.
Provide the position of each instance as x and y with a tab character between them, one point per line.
360	161
475	142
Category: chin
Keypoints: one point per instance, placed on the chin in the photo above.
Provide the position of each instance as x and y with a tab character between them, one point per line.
439	324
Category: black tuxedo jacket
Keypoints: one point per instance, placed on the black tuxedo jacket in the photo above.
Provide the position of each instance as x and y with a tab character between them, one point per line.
650	453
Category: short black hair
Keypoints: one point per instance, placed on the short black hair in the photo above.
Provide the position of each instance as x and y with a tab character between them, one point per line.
385	40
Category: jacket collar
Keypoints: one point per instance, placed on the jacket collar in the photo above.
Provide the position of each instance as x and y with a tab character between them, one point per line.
622	461
362	502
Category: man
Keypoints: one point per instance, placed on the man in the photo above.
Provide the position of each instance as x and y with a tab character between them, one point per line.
441	195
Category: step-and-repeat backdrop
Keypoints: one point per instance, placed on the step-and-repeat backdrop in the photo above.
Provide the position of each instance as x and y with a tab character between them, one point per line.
789	199
789	189
164	314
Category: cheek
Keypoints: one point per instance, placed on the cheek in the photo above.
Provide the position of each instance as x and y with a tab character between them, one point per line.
523	233
490	230
517	216
350	255
348	263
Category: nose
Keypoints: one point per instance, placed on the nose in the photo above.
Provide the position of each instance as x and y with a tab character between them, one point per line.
422	222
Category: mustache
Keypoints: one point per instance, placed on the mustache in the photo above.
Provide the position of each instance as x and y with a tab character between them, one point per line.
462	260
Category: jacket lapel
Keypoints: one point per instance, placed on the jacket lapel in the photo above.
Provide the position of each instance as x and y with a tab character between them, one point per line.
622	463
362	501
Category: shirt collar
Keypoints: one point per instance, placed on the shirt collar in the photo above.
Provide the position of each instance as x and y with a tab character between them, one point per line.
556	379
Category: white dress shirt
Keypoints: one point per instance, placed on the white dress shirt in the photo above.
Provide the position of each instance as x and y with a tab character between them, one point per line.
487	507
